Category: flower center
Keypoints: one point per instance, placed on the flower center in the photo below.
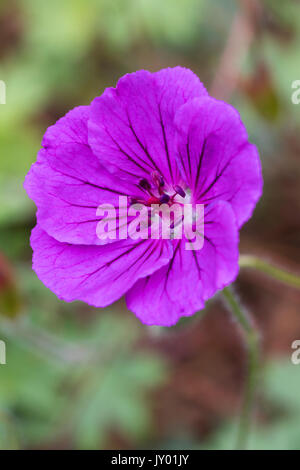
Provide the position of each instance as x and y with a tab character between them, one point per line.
156	192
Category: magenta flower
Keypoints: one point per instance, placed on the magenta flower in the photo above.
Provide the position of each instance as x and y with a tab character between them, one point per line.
152	135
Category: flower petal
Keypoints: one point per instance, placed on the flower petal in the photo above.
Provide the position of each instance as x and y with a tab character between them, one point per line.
71	128
181	287
97	275
131	127
68	183
215	157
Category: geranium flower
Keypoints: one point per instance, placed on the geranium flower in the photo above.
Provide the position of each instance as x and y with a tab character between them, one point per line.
156	135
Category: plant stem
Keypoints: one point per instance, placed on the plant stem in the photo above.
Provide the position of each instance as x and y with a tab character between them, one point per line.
252	343
248	261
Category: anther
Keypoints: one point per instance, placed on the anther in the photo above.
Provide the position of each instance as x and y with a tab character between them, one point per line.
158	179
164	199
144	183
179	190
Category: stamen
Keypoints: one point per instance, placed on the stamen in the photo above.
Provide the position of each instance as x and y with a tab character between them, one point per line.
164	199
157	179
179	190
144	183
152	200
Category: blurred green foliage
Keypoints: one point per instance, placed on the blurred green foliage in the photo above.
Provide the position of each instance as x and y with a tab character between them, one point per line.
78	385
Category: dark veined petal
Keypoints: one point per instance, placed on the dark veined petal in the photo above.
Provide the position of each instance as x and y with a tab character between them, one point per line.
131	127
215	157
68	183
71	128
181	287
97	275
